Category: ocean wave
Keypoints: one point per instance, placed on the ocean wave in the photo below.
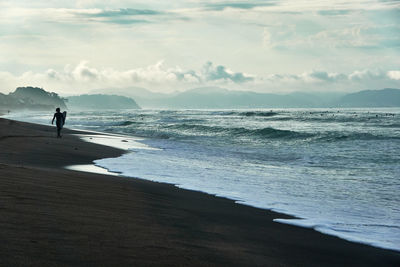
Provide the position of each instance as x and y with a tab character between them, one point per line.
267	132
182	131
126	123
393	125
244	113
342	136
148	133
276	133
167	112
258	113
223	113
372	119
193	128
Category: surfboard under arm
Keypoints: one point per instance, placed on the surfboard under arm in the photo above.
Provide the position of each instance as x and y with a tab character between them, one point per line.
64	116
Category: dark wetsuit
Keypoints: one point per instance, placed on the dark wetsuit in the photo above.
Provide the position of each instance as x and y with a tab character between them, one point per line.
59	122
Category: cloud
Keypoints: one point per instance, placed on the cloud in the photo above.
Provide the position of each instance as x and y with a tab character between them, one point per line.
394	74
124	12
85	73
325	76
159	77
366	75
318	76
334	12
79	16
160	74
237	5
117	16
323	8
359	36
157	74
212	73
82	76
315	76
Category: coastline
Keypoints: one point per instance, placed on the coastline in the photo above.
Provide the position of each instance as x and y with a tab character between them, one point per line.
63	217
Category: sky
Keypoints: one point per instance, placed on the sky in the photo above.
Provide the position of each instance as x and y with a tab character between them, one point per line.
271	46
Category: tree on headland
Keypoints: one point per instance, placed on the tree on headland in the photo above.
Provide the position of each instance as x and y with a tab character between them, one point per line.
36	95
32	98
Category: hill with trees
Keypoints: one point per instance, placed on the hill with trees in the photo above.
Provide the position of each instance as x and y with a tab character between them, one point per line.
31	98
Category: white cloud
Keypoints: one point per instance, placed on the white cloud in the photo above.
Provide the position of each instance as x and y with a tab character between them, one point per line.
367	74
216	73
310	77
155	76
159	77
323	76
394	74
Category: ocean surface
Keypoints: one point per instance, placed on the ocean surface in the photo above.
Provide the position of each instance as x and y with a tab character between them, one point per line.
337	170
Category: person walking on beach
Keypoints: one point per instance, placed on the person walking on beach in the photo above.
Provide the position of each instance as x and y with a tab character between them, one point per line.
59	117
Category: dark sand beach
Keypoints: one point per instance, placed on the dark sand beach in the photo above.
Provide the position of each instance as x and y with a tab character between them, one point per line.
50	216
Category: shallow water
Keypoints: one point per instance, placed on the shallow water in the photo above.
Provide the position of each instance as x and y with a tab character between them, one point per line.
336	169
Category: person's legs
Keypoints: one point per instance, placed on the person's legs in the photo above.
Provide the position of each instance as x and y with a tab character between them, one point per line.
58	132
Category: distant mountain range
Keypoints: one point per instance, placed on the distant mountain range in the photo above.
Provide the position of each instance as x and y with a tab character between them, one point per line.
100	101
215	97
372	98
34	98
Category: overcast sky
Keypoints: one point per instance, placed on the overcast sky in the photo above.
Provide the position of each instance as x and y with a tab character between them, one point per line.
71	47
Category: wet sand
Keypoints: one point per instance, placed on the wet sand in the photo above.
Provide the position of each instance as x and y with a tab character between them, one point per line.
50	216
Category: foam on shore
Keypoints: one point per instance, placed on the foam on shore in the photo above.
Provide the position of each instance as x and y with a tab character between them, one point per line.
91	168
116	141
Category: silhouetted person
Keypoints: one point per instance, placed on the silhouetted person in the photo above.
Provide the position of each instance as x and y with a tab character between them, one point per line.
59	117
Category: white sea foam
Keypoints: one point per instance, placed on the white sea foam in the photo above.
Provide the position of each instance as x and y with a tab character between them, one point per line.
91	168
116	141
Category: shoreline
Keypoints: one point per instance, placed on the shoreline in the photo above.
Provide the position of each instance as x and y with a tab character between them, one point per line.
195	228
127	142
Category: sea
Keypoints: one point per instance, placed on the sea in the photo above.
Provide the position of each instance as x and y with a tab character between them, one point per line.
336	170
